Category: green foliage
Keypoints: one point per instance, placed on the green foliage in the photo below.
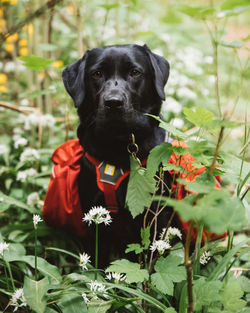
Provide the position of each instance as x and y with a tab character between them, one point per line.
168	271
199	117
36	63
132	270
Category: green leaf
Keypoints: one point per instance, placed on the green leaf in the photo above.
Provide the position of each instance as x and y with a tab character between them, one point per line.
132	270
34	292
110	6
200	117
145	236
196	12
205	292
234	44
140	189
159	154
72	303
136	247
15	250
168	270
10	201
231	4
34	62
43	266
98	306
231	297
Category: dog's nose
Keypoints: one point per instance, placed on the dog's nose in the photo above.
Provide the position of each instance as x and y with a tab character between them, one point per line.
114	102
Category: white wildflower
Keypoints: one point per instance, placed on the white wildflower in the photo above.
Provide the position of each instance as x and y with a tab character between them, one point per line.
47	120
95	286
185	92
84	259
208	59
3	149
85	298
3	247
221	14
98	215
1	199
171	105
23	175
171	232
18	300
9	67
177	122
160	246
24	102
36	219
29	154
211	79
20	141
116	276
205	257
33	198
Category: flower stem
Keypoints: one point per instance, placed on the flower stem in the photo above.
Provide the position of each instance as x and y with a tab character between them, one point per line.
189	268
11	276
35	254
96	246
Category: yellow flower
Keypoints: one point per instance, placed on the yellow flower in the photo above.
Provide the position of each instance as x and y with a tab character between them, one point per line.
2	23
4	1
3	78
57	64
70	9
14	2
23	43
1	12
3	88
30	29
9	47
12	38
23	51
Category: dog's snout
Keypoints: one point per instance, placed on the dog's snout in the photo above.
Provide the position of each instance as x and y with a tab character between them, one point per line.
115	102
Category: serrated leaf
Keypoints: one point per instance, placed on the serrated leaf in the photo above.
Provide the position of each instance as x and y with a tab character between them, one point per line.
140	189
34	292
159	154
34	62
206	292
132	270
231	297
167	271
200	117
136	247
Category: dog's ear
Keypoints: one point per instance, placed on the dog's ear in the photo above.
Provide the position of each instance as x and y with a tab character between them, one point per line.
161	71
73	79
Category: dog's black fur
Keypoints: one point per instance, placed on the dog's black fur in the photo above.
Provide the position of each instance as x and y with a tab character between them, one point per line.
112	88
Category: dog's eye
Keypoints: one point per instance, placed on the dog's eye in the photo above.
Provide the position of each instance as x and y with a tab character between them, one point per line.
97	74
134	73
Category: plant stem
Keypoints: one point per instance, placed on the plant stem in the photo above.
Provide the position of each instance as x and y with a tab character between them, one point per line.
212	167
188	265
11	276
35	254
96	246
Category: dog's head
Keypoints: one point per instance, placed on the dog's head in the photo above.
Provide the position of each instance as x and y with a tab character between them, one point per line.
117	85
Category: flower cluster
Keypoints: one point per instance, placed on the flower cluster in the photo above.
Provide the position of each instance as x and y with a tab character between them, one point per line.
116	277
170	233
23	175
29	154
97	287
35	119
33	199
97	215
160	246
3	247
36	219
205	257
84	259
18	300
163	243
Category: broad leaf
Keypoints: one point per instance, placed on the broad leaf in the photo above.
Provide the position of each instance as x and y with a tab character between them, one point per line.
168	271
206	292
234	44
132	270
72	303
231	297
159	154
200	117
10	201
196	12
140	189
34	62
34	292
98	306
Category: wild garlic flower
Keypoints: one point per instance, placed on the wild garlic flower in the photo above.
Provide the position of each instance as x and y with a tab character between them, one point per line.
171	232
36	220
18	300
160	246
23	175
98	215
205	257
84	259
116	276
95	286
20	141
29	154
85	298
3	247
3	149
34	199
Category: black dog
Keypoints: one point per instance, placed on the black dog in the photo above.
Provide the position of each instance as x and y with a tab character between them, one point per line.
113	88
